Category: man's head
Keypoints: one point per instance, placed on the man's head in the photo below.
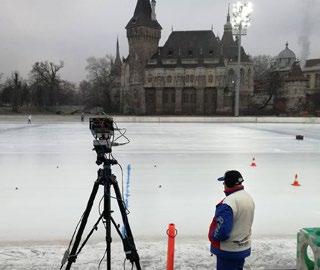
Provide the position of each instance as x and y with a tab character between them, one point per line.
231	178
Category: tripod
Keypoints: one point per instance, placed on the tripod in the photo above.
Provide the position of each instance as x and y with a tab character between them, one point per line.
105	179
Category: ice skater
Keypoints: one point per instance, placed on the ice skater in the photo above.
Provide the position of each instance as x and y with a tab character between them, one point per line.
82	117
29	119
230	230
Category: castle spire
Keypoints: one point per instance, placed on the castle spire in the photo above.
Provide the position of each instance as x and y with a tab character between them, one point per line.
118	51
143	8
153	10
117	61
228	16
144	15
227	38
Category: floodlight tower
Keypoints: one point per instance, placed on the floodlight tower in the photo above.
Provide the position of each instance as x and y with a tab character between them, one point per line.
241	12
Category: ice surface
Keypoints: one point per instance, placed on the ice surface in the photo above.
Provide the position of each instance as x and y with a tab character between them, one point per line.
47	173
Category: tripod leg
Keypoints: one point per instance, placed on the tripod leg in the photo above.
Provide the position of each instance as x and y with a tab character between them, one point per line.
73	254
128	241
107	210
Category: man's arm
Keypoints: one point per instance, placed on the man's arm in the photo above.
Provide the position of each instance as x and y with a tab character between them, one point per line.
223	223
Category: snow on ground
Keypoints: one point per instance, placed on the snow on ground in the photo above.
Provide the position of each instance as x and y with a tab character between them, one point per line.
47	173
190	254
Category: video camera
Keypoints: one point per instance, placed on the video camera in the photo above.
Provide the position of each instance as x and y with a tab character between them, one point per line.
101	127
102	130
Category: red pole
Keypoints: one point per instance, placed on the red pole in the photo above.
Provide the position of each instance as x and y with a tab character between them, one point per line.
172	233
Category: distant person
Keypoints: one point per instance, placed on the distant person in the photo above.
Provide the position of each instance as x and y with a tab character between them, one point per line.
29	119
230	230
82	117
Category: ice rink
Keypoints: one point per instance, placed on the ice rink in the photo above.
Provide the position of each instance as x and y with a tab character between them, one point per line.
47	173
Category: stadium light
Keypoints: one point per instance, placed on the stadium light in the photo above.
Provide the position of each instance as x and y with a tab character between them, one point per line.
241	12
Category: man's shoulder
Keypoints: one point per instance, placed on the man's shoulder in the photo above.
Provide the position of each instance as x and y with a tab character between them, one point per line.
237	197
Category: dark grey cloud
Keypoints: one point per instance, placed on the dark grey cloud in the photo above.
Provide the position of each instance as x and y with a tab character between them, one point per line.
73	30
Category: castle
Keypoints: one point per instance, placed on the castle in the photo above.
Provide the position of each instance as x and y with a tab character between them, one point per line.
194	73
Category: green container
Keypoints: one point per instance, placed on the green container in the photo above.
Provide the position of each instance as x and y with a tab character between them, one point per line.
308	238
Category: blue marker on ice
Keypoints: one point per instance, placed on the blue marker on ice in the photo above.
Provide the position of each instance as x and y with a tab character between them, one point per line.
127	194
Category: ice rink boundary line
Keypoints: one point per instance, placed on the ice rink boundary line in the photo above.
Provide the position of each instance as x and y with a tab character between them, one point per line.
150	119
48	119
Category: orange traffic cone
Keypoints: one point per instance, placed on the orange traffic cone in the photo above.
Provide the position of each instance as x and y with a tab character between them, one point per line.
253	164
296	181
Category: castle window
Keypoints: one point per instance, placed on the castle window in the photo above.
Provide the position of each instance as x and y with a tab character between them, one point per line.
185	98
211	52
317	84
192	78
165	98
170	52
193	98
169	79
190	53
150	79
213	98
242	74
210	79
187	78
308	83
173	97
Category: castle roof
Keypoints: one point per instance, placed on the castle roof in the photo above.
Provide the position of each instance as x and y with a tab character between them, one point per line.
190	44
196	45
312	63
287	53
142	16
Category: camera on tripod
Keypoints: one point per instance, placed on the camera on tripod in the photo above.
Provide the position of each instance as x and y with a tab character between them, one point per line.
102	130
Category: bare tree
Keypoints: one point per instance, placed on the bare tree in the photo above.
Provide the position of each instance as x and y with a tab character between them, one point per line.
45	82
100	81
13	91
261	66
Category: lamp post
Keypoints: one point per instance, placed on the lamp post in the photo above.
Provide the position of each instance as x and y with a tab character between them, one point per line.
240	22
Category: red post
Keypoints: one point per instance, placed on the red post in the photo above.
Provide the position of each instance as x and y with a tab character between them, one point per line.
172	233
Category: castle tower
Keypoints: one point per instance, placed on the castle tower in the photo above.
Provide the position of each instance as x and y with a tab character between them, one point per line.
143	33
227	41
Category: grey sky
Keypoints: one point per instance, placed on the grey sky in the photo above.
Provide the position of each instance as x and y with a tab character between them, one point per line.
73	30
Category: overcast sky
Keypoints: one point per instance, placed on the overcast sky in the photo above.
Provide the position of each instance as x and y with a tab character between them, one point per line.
73	30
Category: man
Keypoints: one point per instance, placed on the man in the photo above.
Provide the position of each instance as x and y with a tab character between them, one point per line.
29	119
230	230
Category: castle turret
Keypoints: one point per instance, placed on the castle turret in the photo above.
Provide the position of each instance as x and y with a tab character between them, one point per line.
143	33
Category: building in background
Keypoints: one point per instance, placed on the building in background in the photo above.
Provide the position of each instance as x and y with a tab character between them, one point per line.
192	74
287	87
312	71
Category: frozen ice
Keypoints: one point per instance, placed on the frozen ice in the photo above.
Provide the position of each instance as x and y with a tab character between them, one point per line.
48	170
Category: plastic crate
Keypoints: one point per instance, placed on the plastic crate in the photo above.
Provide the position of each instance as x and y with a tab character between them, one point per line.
308	237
